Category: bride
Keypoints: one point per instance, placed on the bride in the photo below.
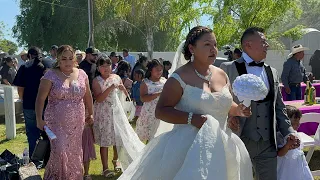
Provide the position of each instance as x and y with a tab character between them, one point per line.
197	100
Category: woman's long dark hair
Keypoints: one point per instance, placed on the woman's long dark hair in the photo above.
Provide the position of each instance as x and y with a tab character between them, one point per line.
6	60
123	67
152	64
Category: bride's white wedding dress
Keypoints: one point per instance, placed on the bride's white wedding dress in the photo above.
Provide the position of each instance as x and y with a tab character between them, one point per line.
187	153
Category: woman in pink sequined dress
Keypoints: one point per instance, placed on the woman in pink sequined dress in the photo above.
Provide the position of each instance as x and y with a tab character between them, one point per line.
67	89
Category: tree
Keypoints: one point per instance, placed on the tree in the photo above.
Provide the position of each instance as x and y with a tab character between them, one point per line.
44	24
232	17
148	17
310	16
66	22
131	38
8	46
2	28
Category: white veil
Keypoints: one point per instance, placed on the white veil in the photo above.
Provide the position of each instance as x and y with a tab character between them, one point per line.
177	62
178	59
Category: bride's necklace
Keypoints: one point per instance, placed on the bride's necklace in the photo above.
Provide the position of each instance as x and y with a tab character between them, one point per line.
68	76
206	78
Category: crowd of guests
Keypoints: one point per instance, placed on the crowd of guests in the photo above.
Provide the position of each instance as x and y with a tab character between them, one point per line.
73	94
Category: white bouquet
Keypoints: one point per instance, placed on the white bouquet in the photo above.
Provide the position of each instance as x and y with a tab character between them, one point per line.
249	87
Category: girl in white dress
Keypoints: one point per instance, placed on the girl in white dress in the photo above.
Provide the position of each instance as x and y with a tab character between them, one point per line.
292	163
111	127
150	90
196	98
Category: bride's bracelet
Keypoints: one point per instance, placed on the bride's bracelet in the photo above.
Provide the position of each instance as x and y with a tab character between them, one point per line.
190	117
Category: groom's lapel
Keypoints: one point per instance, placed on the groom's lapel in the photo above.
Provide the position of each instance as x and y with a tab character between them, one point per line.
270	79
241	66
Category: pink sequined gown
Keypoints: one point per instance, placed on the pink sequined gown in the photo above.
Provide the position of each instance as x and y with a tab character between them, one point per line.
65	116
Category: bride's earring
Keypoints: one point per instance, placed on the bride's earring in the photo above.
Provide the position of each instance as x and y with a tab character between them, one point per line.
192	57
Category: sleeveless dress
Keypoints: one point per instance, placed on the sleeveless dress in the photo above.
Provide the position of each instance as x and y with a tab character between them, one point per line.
294	164
103	126
65	116
212	152
147	123
111	126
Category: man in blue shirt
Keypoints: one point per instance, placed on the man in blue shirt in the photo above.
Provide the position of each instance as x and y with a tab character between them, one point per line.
50	60
129	58
294	73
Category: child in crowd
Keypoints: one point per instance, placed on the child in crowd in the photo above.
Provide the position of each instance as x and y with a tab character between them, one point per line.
89	152
135	93
123	71
292	163
111	127
150	90
166	67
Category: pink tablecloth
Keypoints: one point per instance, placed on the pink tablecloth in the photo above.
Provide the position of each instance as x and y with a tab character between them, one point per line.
307	128
303	89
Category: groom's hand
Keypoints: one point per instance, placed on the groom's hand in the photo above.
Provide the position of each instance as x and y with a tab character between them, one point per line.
234	124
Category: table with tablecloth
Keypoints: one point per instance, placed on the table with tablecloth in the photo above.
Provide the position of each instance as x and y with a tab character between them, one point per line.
303	89
308	128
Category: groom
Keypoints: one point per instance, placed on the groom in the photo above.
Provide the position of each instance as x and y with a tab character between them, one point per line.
258	132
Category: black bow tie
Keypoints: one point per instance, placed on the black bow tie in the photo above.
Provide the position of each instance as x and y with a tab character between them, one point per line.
256	64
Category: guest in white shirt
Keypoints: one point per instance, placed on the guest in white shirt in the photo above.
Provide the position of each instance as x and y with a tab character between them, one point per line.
129	58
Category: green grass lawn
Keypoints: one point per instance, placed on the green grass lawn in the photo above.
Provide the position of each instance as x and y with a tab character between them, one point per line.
18	144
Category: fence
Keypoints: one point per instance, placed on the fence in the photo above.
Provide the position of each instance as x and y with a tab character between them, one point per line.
9	101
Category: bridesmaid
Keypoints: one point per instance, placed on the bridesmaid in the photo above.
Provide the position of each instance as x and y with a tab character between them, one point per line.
68	92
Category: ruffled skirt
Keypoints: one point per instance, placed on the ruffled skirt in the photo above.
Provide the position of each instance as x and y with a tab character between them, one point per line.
189	153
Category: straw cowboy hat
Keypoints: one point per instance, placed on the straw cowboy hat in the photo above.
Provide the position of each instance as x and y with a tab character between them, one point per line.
297	48
24	52
78	52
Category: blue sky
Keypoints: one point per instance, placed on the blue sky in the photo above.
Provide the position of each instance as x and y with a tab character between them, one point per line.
8	12
11	10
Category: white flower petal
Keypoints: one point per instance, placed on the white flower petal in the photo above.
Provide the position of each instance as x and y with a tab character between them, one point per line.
249	86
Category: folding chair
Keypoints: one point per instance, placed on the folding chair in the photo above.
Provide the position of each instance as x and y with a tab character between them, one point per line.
308	141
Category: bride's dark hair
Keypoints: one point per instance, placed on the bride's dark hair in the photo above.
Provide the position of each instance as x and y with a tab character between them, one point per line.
193	36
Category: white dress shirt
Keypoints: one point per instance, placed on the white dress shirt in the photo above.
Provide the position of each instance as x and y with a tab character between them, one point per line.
256	70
